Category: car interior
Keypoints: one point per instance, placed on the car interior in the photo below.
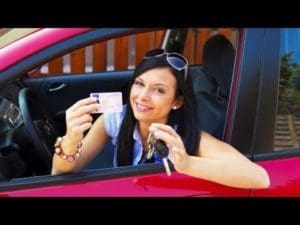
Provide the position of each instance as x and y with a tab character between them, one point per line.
218	59
31	117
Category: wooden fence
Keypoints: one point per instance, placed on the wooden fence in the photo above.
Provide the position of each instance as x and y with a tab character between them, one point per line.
125	52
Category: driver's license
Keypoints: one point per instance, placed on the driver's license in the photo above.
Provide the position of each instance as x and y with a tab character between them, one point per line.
109	101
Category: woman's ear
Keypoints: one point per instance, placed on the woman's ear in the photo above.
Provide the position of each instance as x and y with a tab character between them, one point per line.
178	103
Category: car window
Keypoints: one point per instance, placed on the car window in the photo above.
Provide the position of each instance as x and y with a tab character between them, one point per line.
210	52
287	129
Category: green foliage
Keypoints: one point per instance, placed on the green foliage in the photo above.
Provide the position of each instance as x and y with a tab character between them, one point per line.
289	86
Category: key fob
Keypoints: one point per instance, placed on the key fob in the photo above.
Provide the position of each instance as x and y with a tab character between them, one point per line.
161	148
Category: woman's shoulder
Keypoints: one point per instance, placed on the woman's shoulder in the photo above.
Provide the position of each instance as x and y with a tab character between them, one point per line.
207	137
206	140
210	145
204	134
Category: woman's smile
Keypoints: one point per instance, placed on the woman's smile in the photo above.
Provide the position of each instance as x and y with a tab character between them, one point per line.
142	108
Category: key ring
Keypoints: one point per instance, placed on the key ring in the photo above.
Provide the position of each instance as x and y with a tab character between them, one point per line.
151	141
161	149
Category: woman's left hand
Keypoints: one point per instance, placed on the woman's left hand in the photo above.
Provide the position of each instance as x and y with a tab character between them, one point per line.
177	152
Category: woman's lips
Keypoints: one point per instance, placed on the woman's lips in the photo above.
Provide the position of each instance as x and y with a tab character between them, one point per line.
142	108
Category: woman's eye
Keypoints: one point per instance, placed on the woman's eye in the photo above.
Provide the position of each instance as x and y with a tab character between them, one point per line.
138	83
159	90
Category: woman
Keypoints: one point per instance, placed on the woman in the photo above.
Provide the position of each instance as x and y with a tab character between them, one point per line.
161	102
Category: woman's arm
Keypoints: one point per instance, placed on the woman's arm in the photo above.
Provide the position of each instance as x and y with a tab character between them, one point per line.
78	120
220	162
215	161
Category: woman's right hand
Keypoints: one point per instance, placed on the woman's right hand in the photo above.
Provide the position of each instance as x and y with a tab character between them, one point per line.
79	119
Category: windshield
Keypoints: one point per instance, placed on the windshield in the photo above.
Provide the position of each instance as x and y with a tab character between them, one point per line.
11	35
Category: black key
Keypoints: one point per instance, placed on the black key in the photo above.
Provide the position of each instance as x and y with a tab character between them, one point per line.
161	148
163	152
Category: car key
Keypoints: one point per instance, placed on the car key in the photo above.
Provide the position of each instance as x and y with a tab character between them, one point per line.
163	151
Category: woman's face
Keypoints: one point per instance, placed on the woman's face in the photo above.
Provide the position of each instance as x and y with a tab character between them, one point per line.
152	95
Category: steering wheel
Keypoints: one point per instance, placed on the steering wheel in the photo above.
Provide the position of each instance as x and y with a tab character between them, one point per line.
39	125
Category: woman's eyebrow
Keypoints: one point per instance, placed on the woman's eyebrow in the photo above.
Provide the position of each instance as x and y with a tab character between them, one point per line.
155	84
160	84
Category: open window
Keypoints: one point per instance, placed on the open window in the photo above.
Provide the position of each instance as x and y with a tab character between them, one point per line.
106	63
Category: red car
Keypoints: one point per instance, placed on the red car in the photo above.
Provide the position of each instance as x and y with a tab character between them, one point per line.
246	82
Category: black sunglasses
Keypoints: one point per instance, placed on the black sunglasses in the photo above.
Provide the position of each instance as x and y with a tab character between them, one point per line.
176	60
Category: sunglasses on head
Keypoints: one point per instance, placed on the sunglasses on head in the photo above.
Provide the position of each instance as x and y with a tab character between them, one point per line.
176	60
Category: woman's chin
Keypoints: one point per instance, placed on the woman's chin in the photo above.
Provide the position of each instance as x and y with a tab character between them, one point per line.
142	116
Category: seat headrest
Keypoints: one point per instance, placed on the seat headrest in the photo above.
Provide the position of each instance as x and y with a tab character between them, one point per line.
218	60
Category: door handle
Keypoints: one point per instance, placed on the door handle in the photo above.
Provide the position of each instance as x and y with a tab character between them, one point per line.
57	88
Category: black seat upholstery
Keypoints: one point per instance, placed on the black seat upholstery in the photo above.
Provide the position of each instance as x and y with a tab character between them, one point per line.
218	60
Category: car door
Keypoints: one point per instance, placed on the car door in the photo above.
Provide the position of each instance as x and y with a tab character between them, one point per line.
276	135
60	91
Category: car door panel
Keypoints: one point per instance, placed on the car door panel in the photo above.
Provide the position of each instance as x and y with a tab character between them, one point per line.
127	182
284	171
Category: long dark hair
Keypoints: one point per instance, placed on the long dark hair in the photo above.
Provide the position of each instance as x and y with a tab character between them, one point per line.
185	117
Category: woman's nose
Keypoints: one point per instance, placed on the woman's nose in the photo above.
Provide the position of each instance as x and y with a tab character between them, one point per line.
144	94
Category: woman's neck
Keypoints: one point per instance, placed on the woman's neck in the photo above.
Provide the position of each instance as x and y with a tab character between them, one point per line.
144	131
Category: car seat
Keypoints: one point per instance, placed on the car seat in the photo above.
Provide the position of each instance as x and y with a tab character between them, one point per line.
218	59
